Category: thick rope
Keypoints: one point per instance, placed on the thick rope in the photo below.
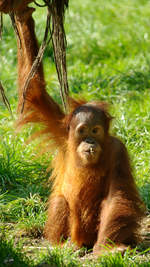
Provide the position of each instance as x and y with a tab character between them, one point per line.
57	8
12	16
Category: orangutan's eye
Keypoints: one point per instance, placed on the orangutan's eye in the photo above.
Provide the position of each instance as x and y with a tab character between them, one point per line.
81	130
98	131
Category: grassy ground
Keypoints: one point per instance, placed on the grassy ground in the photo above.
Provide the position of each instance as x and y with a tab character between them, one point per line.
109	59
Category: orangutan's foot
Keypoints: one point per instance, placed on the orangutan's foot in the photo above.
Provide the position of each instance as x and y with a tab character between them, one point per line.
106	250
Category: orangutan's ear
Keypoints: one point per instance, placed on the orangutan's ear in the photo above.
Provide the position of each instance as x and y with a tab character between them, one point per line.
73	104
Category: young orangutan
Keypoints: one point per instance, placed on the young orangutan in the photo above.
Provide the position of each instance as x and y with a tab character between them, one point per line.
94	200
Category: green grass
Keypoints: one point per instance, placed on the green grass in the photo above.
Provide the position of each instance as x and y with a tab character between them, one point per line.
108	58
11	256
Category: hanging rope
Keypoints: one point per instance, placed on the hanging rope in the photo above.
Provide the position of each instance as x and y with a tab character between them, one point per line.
2	91
4	98
57	8
54	31
1	25
12	16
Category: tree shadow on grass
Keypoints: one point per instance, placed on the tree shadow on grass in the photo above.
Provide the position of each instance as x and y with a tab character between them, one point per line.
11	256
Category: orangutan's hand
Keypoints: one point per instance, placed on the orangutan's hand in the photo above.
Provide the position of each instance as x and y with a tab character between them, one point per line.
7	6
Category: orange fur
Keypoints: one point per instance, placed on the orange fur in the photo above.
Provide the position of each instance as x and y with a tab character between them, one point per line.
89	203
7	6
